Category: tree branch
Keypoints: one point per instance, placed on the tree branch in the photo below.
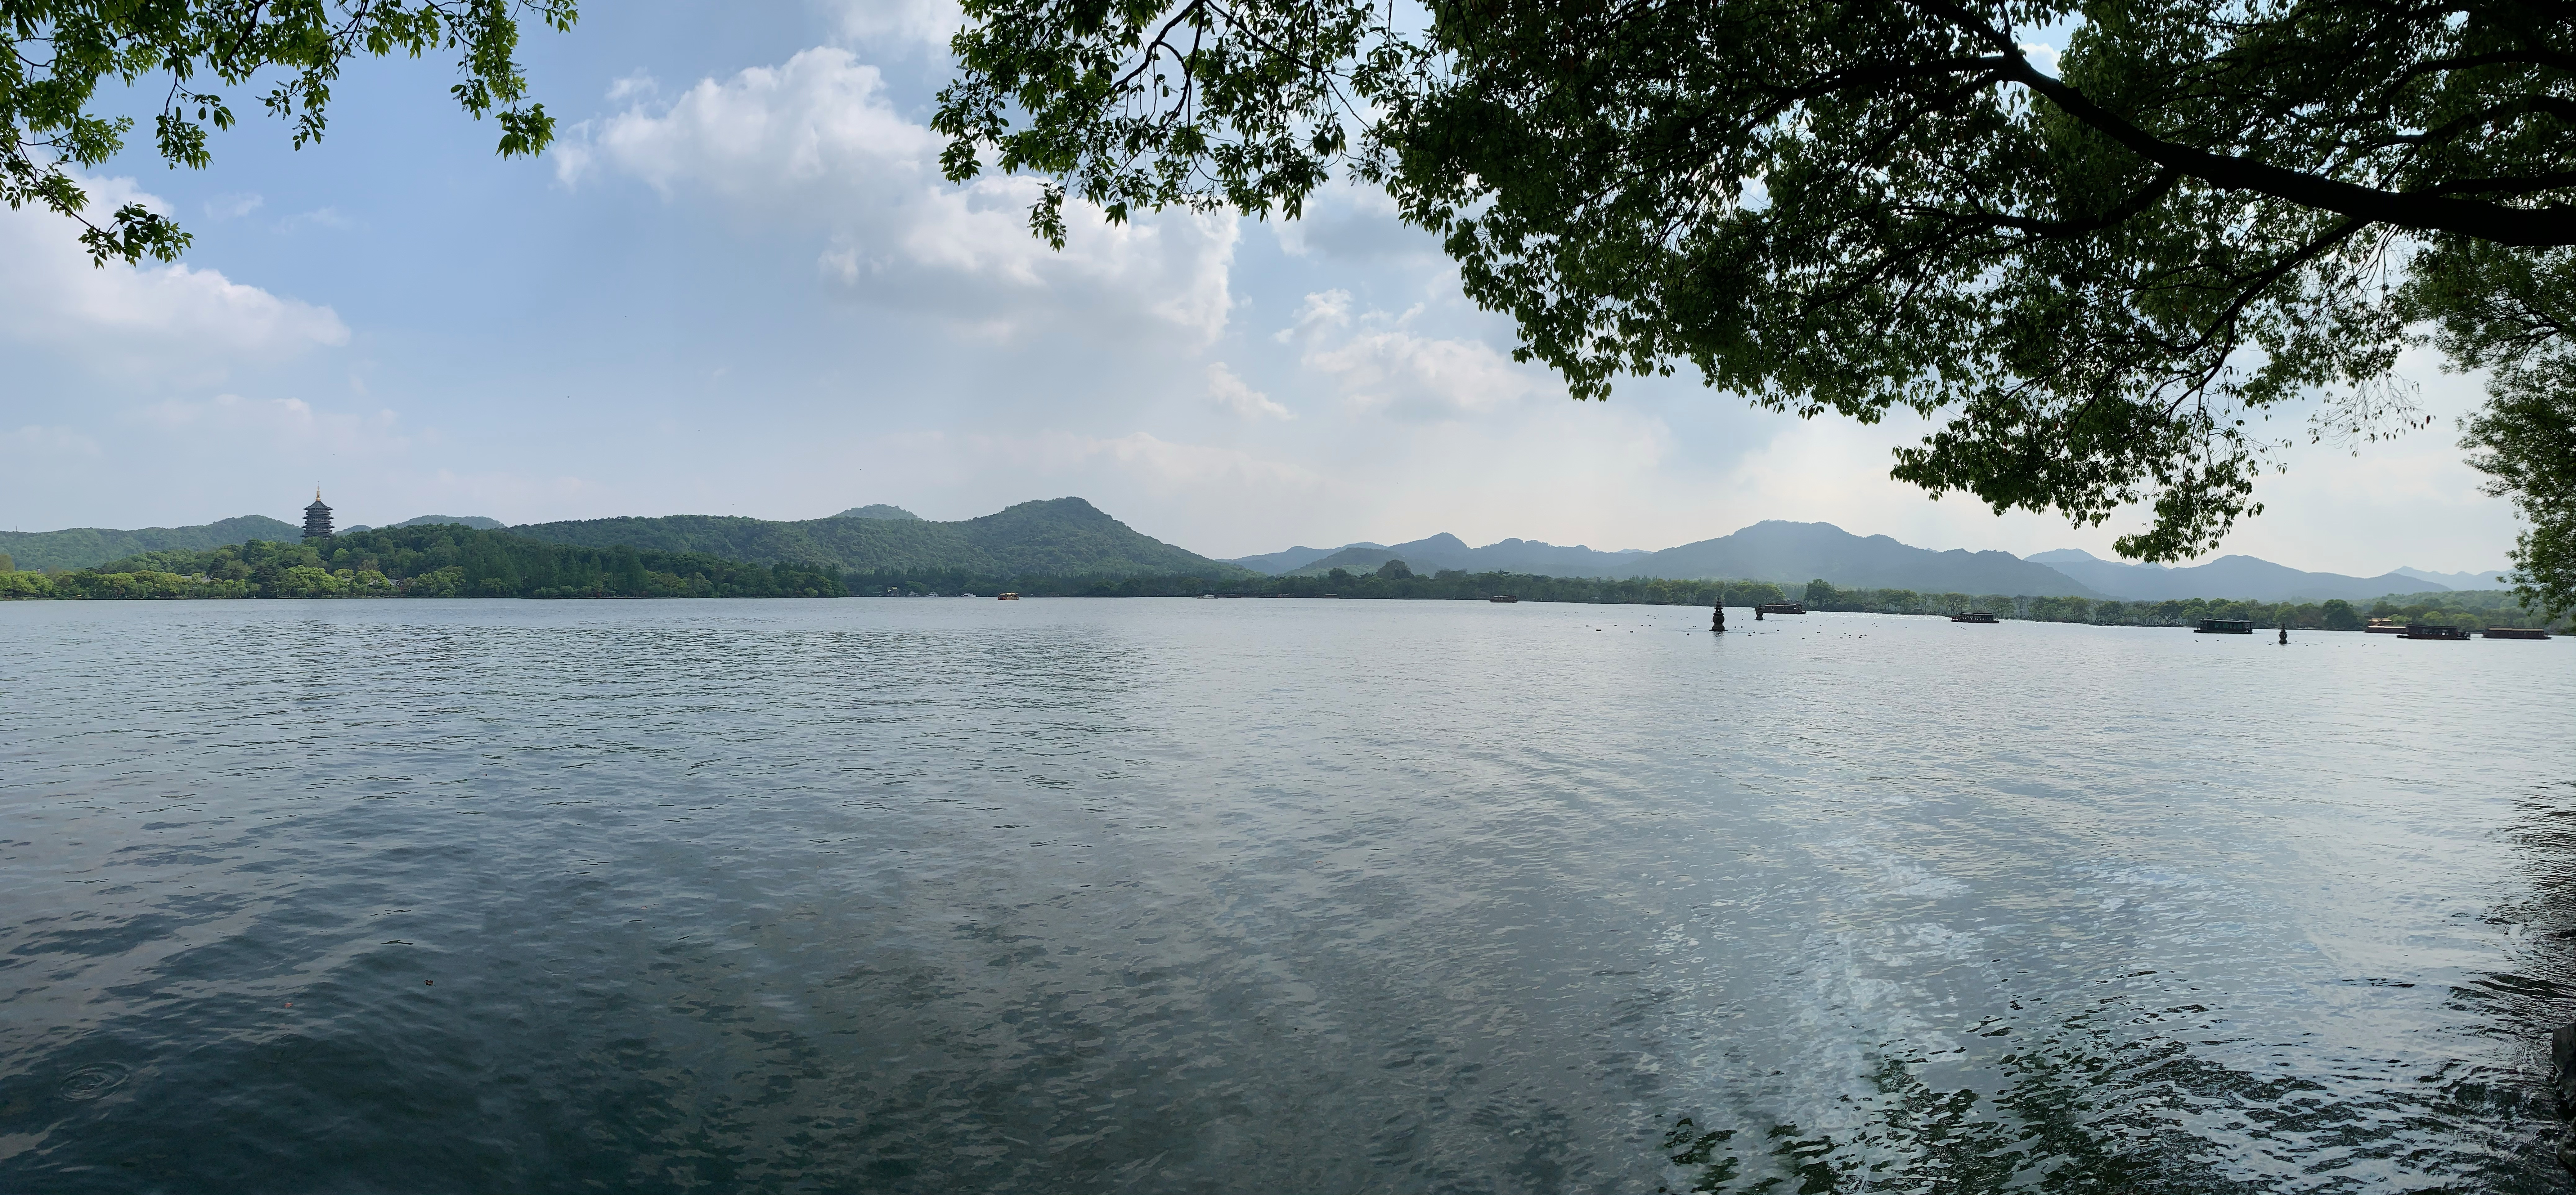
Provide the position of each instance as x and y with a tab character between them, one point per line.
2423	212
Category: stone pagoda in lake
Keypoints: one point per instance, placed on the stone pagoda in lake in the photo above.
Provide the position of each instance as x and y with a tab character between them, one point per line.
317	518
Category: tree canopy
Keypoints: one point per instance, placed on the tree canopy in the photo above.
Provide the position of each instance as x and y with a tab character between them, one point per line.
2097	275
59	52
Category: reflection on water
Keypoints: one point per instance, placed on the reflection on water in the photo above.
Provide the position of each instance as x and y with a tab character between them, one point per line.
1172	895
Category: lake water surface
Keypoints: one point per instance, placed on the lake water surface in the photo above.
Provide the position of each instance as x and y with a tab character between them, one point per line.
1296	896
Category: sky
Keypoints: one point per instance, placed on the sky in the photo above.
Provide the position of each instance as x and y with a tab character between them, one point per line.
738	285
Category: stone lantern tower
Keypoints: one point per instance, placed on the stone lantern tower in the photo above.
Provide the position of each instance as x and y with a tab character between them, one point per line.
317	518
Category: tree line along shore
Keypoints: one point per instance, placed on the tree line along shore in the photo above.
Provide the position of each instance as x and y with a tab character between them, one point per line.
438	561
2471	609
454	561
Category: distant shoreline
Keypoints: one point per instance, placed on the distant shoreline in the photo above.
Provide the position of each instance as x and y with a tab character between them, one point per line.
2474	610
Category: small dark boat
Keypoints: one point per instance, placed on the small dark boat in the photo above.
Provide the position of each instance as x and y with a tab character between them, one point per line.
2225	626
1973	616
1782	608
2420	631
1502	597
2516	633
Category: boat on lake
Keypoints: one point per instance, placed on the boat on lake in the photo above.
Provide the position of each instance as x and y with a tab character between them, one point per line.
2421	631
1781	608
2382	626
2516	633
2225	626
1973	616
1502	597
1008	597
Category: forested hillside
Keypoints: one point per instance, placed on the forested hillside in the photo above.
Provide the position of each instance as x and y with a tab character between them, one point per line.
82	547
1065	536
445	560
1788	551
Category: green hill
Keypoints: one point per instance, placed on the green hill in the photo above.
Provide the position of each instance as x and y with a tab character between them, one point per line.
477	522
437	560
83	547
1064	536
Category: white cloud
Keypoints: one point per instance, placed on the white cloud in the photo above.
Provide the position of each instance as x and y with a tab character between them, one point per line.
928	23
1233	394
637	86
154	323
320	217
816	142
816	128
1381	367
232	207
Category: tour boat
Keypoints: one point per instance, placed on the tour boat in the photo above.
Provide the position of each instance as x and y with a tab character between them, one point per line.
1502	597
2382	626
1973	616
1781	608
2516	633
1008	597
2420	631
2225	626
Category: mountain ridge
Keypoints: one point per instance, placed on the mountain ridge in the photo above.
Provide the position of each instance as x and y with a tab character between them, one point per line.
1779	550
81	547
1791	553
1069	536
1773	550
2234	576
1059	536
879	510
2489	579
1445	551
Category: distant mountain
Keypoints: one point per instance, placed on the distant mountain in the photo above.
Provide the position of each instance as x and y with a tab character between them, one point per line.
1444	551
2490	579
1794	553
1275	563
81	547
2227	577
1063	536
1438	552
877	510
477	522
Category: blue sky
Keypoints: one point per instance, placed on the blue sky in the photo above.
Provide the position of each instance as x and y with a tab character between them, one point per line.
739	287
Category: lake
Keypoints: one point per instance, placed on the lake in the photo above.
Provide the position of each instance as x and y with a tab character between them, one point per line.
1302	896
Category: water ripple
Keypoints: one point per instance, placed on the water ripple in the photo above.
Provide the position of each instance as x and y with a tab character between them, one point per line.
1182	896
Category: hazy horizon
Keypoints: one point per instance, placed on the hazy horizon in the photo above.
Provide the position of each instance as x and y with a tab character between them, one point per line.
345	520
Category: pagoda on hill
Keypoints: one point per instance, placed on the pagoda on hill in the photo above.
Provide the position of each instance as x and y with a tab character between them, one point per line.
317	518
